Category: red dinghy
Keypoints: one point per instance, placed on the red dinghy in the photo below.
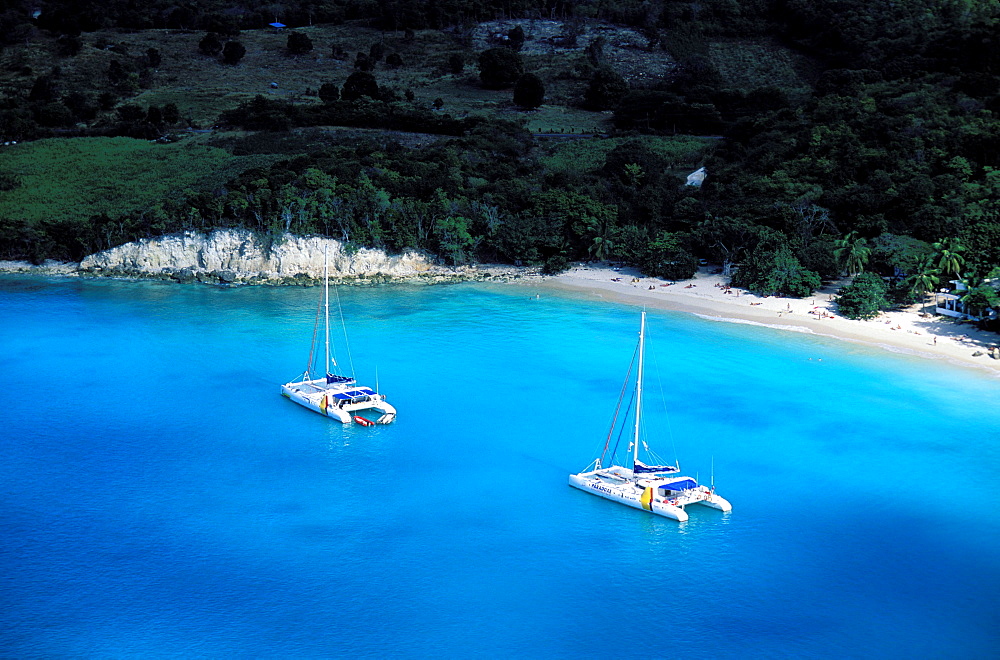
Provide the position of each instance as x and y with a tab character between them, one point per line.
363	421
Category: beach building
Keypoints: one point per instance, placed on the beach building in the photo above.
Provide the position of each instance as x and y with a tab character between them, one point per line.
948	302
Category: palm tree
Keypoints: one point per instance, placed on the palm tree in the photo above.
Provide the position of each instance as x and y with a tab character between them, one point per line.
950	261
854	252
925	279
600	248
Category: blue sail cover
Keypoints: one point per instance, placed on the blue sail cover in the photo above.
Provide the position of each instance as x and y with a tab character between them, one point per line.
353	394
333	378
683	484
641	468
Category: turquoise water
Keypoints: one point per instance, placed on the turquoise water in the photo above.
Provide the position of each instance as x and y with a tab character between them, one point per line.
159	498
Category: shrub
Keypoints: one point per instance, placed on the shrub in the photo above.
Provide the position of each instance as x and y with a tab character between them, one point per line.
555	264
69	45
328	92
210	44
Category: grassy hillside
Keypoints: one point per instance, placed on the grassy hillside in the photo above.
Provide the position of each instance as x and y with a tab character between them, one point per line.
71	180
682	153
202	86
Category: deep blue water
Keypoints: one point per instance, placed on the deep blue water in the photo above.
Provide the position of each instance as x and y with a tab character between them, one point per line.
159	498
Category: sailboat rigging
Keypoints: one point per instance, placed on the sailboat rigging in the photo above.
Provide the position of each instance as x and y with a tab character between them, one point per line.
655	488
334	395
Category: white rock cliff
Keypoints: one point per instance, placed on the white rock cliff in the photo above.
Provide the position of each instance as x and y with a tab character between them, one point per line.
239	252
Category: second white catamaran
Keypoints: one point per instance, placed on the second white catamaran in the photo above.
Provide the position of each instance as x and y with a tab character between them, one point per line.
658	489
332	395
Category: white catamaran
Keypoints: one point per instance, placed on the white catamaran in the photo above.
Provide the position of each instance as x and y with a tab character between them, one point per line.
336	396
658	489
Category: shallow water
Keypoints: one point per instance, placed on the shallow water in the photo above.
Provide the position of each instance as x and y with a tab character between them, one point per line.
160	498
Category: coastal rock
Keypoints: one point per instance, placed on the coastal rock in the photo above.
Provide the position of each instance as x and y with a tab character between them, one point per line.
234	256
49	267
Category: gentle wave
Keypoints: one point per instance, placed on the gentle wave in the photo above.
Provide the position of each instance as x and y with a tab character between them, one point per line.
776	326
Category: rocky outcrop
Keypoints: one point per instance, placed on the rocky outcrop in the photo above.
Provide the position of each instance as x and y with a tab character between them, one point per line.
238	257
49	267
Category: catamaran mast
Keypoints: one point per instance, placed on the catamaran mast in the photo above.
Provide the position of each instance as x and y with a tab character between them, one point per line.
638	389
326	306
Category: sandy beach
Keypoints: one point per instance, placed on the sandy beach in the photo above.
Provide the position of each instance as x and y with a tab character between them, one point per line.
907	331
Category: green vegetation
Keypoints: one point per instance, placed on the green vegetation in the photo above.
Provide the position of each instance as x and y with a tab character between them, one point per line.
838	135
864	298
72	180
680	153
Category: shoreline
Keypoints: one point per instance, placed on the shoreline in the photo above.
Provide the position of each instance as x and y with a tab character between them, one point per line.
907	331
227	277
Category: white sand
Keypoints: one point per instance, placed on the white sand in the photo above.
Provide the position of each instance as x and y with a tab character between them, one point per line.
907	331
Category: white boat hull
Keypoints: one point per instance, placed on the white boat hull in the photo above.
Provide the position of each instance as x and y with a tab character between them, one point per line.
629	495
321	402
647	495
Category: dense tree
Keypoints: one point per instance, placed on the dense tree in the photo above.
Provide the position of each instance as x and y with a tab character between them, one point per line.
669	257
605	91
515	38
896	255
171	115
499	68
864	298
233	52
979	298
529	92
727	240
358	84
595	51
454	240
299	43
43	89
772	271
